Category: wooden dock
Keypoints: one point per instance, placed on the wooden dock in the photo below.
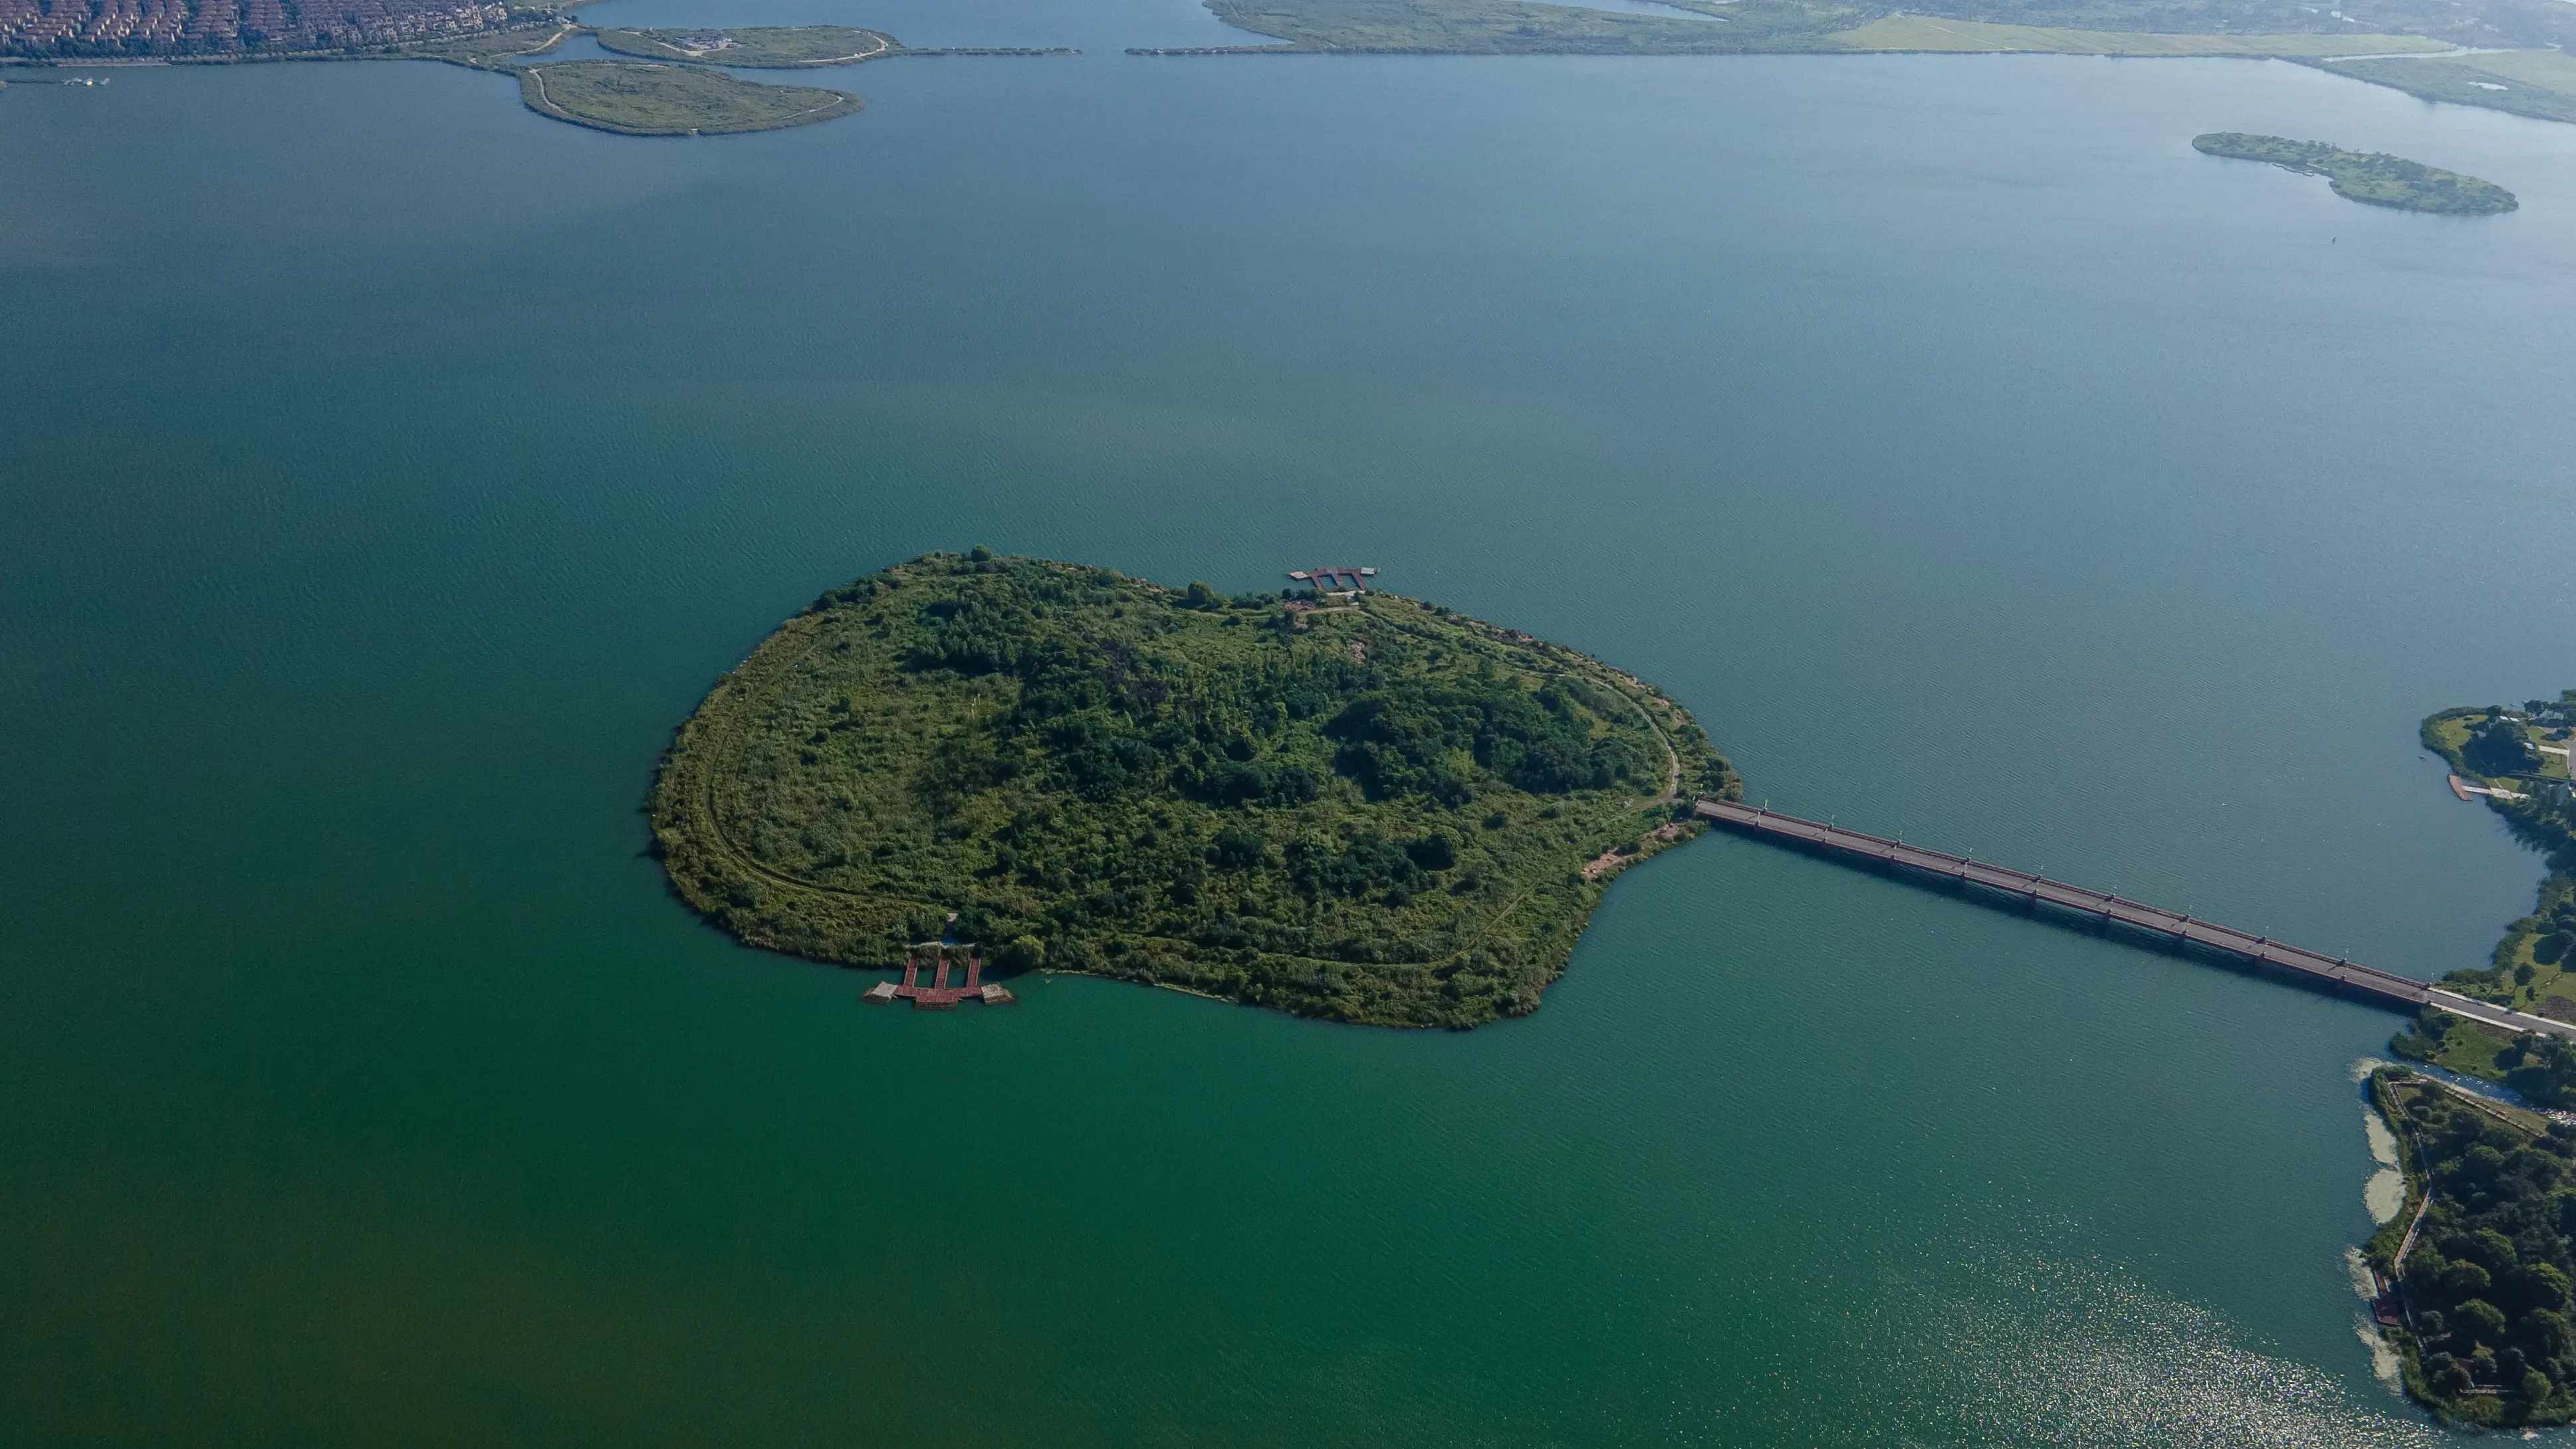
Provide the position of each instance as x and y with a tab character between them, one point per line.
1348	580
2332	973
939	995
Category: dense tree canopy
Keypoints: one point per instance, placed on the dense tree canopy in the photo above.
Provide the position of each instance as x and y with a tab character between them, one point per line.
2530	969
2487	1282
2496	746
1377	812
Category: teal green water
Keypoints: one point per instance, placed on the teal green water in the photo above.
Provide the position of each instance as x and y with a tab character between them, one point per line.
384	470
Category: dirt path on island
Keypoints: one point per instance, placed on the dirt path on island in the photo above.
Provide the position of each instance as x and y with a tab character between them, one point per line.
545	103
690	53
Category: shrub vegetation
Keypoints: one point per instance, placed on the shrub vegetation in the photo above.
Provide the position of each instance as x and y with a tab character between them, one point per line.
771	47
2373	178
643	98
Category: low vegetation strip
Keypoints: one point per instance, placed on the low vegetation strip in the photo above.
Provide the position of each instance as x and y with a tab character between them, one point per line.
766	47
2372	178
641	98
2357	40
1507	27
1378	812
2537	83
1771	26
494	49
2483	1331
1911	32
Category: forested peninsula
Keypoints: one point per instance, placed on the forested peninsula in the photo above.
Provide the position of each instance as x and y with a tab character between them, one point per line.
2481	1248
2480	1255
2514	760
1361	807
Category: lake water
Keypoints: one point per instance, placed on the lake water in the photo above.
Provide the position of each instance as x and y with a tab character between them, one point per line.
385	470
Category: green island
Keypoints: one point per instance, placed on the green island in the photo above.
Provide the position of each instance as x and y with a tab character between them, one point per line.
1355	806
2480	1254
2372	178
640	98
784	47
673	88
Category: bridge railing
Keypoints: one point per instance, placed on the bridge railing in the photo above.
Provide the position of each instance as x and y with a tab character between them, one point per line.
2334	970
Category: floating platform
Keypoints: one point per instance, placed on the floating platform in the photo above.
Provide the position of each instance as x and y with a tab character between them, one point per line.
1354	580
939	995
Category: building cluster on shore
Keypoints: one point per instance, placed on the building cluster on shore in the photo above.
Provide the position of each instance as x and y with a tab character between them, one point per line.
74	28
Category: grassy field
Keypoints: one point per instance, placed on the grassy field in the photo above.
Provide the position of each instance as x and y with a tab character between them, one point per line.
2553	756
1383	813
769	47
2444	734
2467	1049
2538	83
2453	22
2533	968
1930	33
639	98
493	47
2372	178
2448	735
2356	40
1504	27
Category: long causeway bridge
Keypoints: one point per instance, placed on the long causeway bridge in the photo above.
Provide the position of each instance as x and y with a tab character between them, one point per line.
2332	973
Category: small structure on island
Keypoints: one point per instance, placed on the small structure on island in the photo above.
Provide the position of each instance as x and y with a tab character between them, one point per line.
1346	580
939	995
